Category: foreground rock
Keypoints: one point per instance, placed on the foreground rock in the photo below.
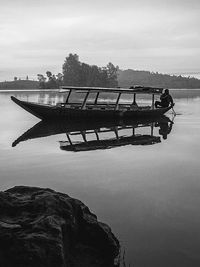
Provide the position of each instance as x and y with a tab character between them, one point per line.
40	227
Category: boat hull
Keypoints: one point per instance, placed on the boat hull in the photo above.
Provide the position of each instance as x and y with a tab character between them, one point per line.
48	112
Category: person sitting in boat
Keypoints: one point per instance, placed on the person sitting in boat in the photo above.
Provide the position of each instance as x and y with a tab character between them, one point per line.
166	100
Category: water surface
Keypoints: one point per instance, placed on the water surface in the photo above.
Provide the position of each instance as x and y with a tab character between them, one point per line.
148	194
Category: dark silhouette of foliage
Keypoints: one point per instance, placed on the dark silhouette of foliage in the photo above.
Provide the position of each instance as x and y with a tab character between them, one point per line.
112	74
130	77
81	74
41	80
59	79
76	73
54	81
19	84
71	70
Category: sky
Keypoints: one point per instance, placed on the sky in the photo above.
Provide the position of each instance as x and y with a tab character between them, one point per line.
156	35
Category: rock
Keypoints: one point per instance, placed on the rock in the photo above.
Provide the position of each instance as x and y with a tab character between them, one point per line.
43	228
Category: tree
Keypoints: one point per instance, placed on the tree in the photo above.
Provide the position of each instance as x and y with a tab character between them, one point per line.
41	80
71	70
112	75
49	74
54	81
59	79
76	73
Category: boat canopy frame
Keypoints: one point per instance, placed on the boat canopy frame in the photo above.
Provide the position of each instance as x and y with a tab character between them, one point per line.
133	90
98	131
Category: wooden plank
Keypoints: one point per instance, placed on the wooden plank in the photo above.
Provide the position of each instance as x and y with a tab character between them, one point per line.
85	100
97	136
109	130
69	139
134	99
96	99
132	90
152	101
117	102
67	100
152	125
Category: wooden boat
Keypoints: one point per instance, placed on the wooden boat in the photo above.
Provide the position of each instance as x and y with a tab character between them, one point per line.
118	133
97	109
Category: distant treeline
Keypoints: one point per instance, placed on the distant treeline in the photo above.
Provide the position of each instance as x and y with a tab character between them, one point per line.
19	84
127	78
76	73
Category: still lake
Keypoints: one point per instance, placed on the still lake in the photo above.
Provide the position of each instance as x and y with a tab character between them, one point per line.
148	194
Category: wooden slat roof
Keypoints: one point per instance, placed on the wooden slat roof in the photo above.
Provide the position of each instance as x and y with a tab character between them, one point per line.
132	90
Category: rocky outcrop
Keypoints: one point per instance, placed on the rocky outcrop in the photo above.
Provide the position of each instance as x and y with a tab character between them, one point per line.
43	228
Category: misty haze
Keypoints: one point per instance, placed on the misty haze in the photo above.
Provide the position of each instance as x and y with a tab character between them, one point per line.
99	133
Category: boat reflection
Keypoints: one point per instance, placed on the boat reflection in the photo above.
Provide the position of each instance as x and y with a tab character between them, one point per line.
89	135
165	128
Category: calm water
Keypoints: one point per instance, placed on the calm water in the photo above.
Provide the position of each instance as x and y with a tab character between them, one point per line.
148	194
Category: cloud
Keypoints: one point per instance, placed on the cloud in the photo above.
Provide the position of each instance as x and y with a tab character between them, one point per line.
133	34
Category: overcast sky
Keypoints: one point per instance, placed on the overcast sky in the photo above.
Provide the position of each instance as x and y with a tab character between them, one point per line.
155	35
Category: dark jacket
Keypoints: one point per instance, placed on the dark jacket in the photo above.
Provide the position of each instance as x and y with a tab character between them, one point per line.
166	100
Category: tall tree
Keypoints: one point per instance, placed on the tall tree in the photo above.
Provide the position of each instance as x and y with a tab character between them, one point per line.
41	80
112	75
76	73
71	70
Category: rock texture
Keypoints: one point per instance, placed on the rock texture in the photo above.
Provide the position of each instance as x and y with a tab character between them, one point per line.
40	227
